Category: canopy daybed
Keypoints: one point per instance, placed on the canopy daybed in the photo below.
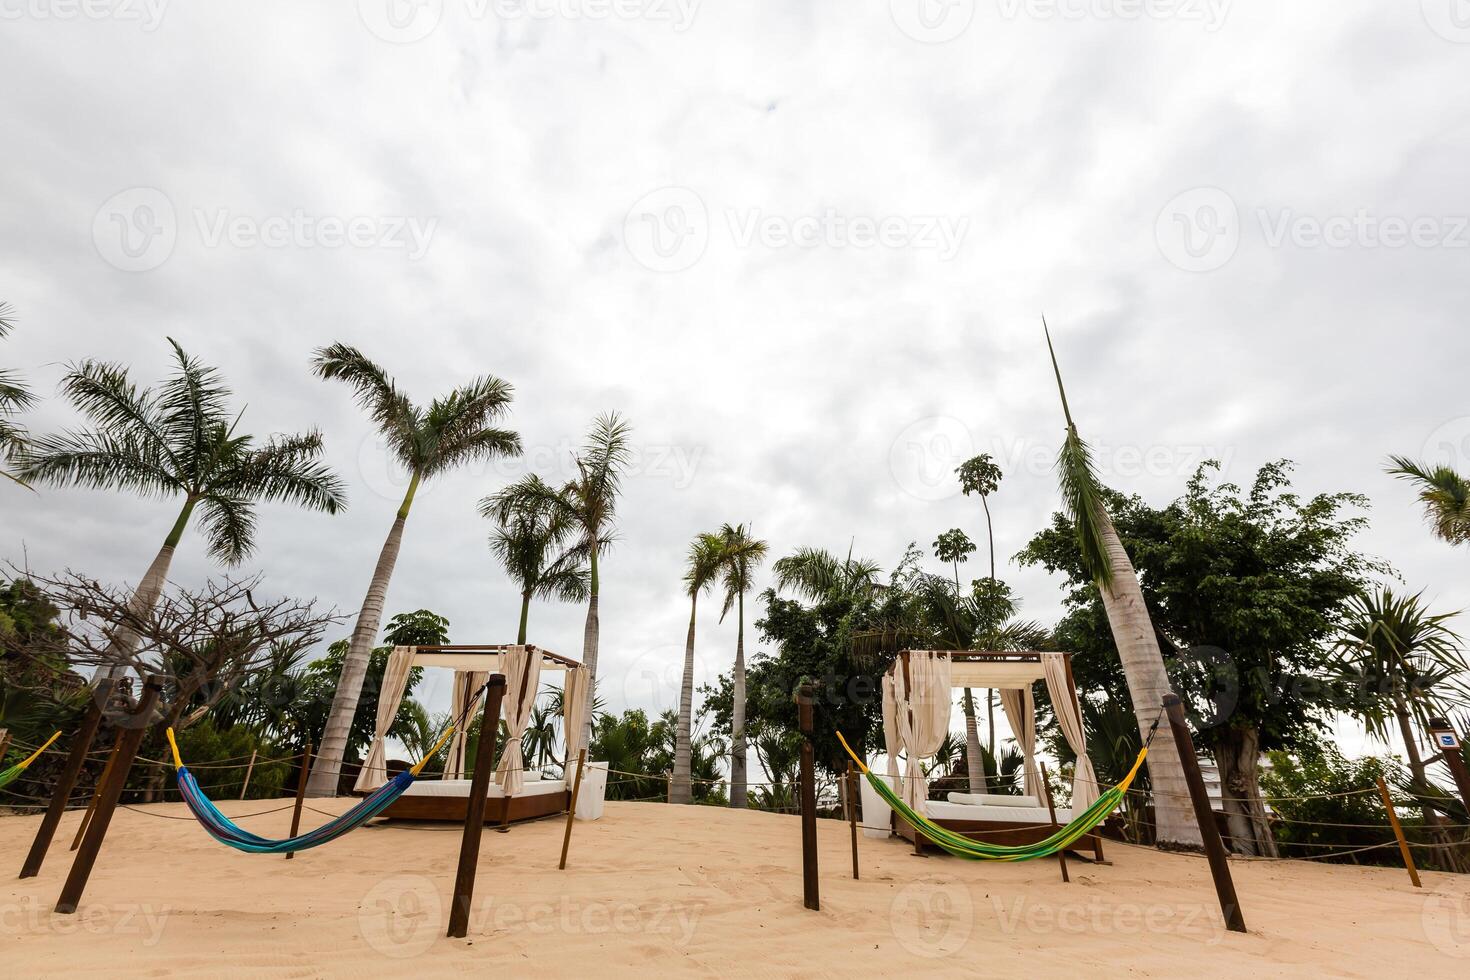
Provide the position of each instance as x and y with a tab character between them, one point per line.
917	702
513	794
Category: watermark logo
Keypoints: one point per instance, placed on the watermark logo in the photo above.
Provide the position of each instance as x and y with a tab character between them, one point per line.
667	230
831	229
924	456
135	230
932	918
1446	919
147	14
1450	19
655	677
401	916
400	21
1098	918
1210	14
1449	445
142	922
1199	230
932	21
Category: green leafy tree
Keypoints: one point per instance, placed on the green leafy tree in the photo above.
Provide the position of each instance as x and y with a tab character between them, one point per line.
701	568
454	430
740	556
529	541
178	440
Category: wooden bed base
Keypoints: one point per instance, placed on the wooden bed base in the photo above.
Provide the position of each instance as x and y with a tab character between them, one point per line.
453	808
998	832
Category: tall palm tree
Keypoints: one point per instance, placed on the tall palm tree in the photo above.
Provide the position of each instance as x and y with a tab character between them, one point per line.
14	397
701	568
179	440
1133	631
1444	493
454	429
740	556
589	504
981	476
955	546
528	540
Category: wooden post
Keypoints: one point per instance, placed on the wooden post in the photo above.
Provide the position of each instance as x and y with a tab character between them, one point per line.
1052	811
810	897
1209	833
96	791
111	790
566	839
249	768
4	744
81	747
1393	821
852	815
300	795
474	820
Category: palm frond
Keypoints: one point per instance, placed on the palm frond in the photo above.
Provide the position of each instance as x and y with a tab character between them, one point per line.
192	404
229	528
1444	493
1082	492
7	318
740	555
103	460
289	468
109	399
394	416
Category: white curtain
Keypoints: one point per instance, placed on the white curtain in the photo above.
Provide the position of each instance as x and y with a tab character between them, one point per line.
1085	790
522	681
374	771
1020	709
573	710
892	744
924	703
467	683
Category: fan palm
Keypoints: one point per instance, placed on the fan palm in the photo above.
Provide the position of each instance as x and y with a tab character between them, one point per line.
454	429
740	555
1444	493
528	541
14	397
701	568
179	440
1112	572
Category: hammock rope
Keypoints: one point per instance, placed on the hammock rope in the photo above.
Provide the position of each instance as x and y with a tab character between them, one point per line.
10	775
965	847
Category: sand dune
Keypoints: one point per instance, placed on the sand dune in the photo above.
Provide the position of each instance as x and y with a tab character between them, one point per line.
695	890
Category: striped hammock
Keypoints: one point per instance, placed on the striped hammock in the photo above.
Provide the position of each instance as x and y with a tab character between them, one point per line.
961	846
8	776
222	829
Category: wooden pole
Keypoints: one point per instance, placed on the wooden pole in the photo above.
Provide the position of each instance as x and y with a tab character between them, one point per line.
81	747
249	768
96	791
300	795
852	815
810	897
1209	833
1052	811
111	790
1393	821
566	839
4	744
474	819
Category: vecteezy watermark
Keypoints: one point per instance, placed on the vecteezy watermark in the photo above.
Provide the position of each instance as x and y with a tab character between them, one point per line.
668	230
27	917
932	21
401	916
1450	19
147	14
407	21
137	229
932	918
1210	14
655	677
1445	918
1449	444
924	455
1096	917
1201	229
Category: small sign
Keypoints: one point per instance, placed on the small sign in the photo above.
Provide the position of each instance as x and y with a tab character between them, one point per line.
1447	741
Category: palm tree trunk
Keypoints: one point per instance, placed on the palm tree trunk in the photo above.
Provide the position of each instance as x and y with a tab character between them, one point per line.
974	762
525	617
125	643
1419	770
680	790
990	722
737	717
590	635
326	769
1148	682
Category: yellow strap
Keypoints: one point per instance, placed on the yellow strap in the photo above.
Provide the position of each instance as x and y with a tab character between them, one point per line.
851	752
434	751
37	754
178	763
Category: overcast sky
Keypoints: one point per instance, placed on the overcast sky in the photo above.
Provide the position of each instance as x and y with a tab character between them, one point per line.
804	247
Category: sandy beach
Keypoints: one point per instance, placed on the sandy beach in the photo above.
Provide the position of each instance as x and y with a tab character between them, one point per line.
694	890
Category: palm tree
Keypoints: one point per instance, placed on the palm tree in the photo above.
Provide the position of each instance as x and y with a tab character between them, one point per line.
14	397
455	429
700	570
528	540
1444	493
740	555
178	440
955	546
1133	631
814	572
981	476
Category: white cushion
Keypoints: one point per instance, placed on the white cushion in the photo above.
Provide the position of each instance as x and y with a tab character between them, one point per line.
1023	816
461	787
993	799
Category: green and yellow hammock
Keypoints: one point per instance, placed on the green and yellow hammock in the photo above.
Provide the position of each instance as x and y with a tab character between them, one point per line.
8	776
961	846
